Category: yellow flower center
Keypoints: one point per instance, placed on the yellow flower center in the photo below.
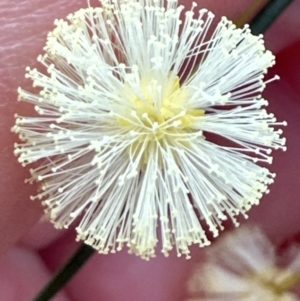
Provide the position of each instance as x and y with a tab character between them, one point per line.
161	119
154	120
277	281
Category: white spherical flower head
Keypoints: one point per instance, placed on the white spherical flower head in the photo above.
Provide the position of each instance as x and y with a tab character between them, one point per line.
244	266
130	96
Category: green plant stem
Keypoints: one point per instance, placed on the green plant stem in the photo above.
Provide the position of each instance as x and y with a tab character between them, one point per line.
250	12
66	273
267	16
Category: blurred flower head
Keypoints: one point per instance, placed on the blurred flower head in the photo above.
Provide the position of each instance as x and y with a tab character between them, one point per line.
244	266
145	120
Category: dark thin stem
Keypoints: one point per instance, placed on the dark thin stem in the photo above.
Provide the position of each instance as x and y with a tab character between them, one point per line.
267	16
250	12
64	275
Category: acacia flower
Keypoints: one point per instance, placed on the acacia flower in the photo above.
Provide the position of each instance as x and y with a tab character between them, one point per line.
245	266
125	117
